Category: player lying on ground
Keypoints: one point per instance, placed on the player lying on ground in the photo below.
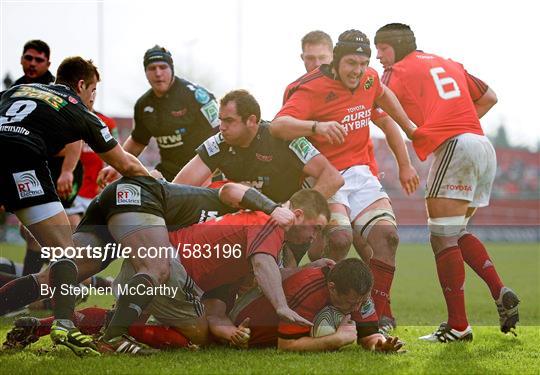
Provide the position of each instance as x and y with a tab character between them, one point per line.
343	289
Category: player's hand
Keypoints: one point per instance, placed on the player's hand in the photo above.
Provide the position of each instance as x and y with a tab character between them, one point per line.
347	330
64	184
288	315
283	216
391	344
323	262
332	130
408	177
106	176
240	338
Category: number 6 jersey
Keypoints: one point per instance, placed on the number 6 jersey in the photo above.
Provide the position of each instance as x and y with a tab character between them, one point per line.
438	96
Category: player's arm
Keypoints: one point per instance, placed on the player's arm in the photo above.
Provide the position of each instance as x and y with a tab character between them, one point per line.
222	327
328	179
268	278
194	173
133	147
390	104
289	128
71	154
344	335
123	162
407	174
485	103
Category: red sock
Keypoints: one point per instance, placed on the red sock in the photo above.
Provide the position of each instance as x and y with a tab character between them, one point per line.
89	321
383	274
476	256
159	337
451	271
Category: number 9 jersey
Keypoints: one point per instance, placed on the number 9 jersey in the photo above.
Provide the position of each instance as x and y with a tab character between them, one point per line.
438	95
36	122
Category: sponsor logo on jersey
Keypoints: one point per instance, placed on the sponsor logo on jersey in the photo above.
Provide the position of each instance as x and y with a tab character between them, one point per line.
179	113
212	144
202	96
210	112
303	149
28	185
368	308
457	187
148	109
72	100
357	118
170	141
369	83
331	96
54	101
128	194
266	158
106	134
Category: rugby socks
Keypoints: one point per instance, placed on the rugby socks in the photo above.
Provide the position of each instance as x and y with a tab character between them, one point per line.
18	293
89	321
6	278
476	256
158	337
383	275
63	274
451	271
32	262
129	306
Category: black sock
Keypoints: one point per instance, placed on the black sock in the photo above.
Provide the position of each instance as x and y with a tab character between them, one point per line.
32	262
63	273
18	293
129	306
6	278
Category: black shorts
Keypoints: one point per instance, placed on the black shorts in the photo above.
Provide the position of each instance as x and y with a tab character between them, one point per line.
25	179
55	166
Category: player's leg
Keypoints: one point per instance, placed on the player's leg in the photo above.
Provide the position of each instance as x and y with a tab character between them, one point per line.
33	262
138	231
377	225
339	233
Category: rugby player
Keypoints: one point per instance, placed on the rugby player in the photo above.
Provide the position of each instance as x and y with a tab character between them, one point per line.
446	103
333	105
37	121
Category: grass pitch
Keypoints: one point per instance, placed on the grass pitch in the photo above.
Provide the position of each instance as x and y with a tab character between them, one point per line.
417	303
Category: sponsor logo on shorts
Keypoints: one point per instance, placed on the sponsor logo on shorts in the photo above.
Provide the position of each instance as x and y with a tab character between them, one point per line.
457	187
128	194
28	185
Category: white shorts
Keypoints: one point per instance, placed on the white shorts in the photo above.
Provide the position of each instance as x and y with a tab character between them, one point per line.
360	190
170	310
464	168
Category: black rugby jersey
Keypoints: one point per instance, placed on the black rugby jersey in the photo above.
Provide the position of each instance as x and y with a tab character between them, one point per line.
270	164
179	121
47	117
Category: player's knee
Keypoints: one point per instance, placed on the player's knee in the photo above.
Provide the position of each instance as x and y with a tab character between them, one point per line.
340	240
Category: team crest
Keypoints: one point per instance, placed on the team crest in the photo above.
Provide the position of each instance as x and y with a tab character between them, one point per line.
368	83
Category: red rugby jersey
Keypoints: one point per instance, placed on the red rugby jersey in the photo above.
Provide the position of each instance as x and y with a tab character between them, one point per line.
317	96
92	164
438	96
307	294
216	265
